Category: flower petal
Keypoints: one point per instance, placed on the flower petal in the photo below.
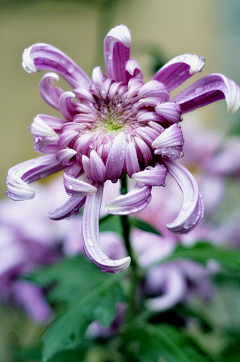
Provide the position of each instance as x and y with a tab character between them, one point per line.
49	91
154	89
170	111
169	143
21	175
134	201
76	187
64	156
44	56
192	208
133	69
116	158
173	285
209	89
92	242
132	164
98	169
116	52
151	176
71	207
66	105
54	123
179	69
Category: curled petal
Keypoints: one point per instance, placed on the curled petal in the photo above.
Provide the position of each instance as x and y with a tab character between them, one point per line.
116	158
65	156
97	78
98	169
49	91
179	69
154	89
105	88
21	175
116	52
41	129
144	150
134	85
151	176
209	89
192	208
169	143
134	201
92	242
66	105
54	123
82	93
173	285
148	117
76	187
71	207
46	57
134	70
170	111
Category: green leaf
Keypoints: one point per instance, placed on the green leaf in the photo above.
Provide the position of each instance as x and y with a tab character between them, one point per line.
160	343
142	225
85	293
202	252
110	223
33	353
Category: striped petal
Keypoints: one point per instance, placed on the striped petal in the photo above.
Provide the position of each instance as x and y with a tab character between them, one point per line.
92	242
42	56
116	158
209	89
132	202
21	175
66	105
169	143
49	91
151	176
116	52
76	187
71	207
192	209
179	69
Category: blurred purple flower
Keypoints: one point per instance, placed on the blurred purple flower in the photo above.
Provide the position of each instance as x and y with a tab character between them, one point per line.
115	125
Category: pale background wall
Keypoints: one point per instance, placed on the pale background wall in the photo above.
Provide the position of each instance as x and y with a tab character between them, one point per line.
176	26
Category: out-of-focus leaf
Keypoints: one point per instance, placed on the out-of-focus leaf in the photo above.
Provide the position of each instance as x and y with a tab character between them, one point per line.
144	226
231	353
86	294
110	223
29	354
202	252
160	343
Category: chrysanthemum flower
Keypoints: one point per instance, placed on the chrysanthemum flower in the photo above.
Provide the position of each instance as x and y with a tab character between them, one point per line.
113	125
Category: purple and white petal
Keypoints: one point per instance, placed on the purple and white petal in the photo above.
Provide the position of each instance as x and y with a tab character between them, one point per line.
170	111
209	89
39	128
133	69
154	89
82	93
92	242
116	158
66	156
116	52
49	91
132	164
77	187
192	208
21	175
151	176
169	143
66	105
97	79
53	122
43	56
179	69
71	207
134	201
173	285
98	169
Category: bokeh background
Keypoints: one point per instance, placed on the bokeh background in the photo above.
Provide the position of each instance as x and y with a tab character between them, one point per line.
161	29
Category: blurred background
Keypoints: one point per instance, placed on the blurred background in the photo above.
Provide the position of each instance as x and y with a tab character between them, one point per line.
160	29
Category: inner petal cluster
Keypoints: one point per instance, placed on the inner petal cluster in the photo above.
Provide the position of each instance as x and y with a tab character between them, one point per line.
108	118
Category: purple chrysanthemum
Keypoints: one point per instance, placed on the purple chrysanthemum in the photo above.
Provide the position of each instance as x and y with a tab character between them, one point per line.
115	125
